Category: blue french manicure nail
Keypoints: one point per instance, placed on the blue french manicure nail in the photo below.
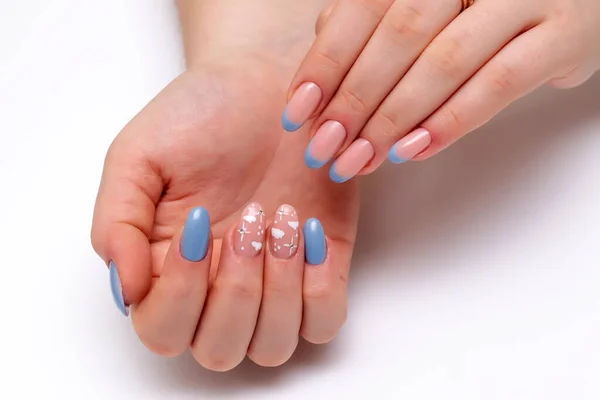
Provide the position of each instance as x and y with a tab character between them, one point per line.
116	289
288	125
315	247
393	156
334	176
196	233
312	162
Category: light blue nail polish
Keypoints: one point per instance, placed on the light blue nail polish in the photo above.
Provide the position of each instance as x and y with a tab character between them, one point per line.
312	162
315	247
394	158
115	288
196	233
337	178
289	125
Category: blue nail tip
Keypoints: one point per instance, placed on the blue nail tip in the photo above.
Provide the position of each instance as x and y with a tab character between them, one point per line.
337	178
315	246
394	158
289	125
196	235
312	162
116	289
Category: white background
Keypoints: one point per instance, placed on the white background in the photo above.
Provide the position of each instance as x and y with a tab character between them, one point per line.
476	275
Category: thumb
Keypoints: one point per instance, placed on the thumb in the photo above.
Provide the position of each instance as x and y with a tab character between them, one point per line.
123	221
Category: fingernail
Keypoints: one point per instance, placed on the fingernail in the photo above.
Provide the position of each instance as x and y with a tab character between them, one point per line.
301	106
409	146
284	232
352	161
116	289
315	247
196	234
250	233
325	144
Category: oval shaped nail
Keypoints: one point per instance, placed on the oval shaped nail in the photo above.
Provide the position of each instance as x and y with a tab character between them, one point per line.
409	146
352	161
249	235
299	109
196	234
315	245
116	289
284	232
324	144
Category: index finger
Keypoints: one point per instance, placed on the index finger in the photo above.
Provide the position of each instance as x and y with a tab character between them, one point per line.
336	48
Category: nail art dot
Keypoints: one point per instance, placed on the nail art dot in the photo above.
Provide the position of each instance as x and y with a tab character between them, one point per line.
242	247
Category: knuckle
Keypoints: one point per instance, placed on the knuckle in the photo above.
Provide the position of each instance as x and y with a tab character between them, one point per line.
354	102
244	290
318	293
445	57
403	21
327	59
504	81
376	8
387	124
450	119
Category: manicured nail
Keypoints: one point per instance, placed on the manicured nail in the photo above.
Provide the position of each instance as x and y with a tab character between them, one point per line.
250	233
301	106
284	232
409	146
116	289
324	144
352	161
196	234
315	247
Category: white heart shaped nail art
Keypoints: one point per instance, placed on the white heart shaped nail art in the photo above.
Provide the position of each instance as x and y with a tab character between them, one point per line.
277	233
257	245
249	218
293	224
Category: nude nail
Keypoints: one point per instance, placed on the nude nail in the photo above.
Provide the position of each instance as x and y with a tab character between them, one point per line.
250	233
284	232
355	158
325	144
301	106
409	146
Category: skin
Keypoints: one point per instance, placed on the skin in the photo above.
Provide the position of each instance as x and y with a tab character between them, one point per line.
440	69
211	138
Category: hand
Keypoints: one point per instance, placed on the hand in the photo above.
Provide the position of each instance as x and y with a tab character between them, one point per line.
211	138
408	78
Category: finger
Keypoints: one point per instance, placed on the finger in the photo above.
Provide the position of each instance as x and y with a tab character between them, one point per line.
167	318
230	314
323	17
324	288
348	29
123	219
454	56
526	63
407	28
276	334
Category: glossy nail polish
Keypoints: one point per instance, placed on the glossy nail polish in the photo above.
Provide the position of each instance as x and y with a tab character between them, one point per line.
284	232
196	234
116	289
303	103
409	146
315	246
325	144
249	235
352	161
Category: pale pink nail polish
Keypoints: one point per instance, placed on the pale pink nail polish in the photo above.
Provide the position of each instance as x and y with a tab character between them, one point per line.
409	146
284	232
301	106
249	235
325	144
354	159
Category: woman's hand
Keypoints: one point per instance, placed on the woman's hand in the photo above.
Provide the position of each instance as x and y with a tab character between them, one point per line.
407	78
211	139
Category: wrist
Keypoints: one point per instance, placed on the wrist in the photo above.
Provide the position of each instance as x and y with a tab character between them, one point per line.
277	32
